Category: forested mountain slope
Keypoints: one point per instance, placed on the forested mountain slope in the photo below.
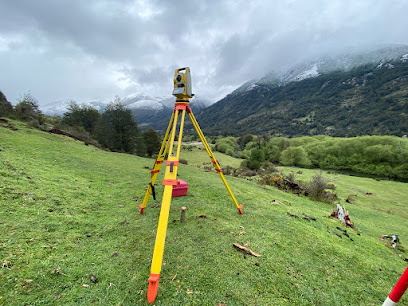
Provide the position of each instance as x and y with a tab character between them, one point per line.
370	99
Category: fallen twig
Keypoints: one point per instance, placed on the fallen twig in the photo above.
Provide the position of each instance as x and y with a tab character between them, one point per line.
344	233
293	216
308	217
245	250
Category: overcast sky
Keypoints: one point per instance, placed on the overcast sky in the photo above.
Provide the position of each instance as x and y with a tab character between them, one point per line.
96	49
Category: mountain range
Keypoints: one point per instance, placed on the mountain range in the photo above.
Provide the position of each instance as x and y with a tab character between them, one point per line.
349	95
340	95
147	110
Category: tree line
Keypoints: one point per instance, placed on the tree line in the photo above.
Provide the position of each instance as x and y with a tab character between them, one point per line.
384	156
114	128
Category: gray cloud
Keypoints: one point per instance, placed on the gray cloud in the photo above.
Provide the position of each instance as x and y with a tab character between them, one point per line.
92	49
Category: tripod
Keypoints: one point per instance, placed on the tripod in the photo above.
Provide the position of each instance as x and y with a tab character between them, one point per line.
170	179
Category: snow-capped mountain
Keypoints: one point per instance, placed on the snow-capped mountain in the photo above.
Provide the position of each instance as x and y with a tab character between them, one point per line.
133	102
343	62
58	108
348	95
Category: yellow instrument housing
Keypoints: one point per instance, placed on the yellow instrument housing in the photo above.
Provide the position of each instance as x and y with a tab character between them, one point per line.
182	84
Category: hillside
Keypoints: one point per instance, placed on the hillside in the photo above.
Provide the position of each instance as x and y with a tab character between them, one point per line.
370	99
70	210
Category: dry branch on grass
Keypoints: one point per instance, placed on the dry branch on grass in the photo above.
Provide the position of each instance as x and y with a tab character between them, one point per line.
245	250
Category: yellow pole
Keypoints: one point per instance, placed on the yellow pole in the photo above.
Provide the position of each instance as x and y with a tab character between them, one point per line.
157	165
214	161
170	179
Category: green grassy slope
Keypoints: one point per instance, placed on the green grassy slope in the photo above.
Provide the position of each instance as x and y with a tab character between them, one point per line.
69	210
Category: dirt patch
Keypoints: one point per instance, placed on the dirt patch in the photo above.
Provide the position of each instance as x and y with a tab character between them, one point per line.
6	124
283	183
59	132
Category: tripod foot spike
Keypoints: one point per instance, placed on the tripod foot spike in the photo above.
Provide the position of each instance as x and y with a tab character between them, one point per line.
240	210
141	209
153	285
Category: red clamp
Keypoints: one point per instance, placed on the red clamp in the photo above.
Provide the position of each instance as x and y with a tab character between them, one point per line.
169	182
155	171
218	170
175	163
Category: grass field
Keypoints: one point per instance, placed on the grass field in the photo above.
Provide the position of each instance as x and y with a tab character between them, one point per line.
69	210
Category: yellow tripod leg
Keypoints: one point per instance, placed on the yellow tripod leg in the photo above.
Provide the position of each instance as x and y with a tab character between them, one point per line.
157	165
213	160
170	179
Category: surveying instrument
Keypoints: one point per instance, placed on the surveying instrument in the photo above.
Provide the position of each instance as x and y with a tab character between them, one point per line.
182	91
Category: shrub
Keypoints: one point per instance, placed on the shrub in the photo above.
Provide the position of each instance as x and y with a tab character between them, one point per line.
256	159
230	152
291	177
269	167
228	170
316	189
188	148
27	108
295	156
244	154
5	106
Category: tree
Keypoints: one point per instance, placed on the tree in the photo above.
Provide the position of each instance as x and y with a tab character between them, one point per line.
256	159
5	106
84	116
244	139
27	108
118	131
294	156
152	141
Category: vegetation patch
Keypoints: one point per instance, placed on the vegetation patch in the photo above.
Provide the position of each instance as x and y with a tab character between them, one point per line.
316	189
380	156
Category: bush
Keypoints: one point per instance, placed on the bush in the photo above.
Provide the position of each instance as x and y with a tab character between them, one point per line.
256	159
27	108
226	145
228	170
269	167
316	189
295	156
188	148
5	106
230	152
244	154
183	161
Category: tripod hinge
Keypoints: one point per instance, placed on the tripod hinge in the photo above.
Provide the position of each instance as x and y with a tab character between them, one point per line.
182	106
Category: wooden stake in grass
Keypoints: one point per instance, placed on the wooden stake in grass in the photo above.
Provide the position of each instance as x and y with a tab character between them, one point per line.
183	214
